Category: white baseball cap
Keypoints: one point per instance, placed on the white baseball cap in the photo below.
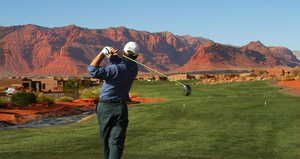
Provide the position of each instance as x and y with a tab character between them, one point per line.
132	48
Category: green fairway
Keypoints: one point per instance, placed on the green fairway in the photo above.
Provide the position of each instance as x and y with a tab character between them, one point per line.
223	121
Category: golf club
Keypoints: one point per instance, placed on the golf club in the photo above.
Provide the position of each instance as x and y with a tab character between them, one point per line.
187	88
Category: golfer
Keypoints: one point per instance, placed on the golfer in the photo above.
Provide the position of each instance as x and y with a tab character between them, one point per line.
112	110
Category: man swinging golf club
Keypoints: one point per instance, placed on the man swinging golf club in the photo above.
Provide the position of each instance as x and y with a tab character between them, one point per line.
112	110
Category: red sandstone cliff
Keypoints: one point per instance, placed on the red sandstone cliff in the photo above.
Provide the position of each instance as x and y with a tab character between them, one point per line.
253	55
68	50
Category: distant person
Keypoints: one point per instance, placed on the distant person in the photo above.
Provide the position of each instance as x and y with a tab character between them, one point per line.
112	109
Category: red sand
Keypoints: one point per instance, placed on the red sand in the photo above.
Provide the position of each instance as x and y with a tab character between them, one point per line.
293	87
11	118
17	115
146	100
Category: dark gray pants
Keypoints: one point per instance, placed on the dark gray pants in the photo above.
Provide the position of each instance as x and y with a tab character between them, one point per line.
113	120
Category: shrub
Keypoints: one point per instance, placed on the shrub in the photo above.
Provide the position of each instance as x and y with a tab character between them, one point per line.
92	92
72	84
23	98
2	105
3	102
42	98
64	99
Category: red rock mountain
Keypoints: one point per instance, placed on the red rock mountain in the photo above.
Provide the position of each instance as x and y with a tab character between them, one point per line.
68	50
216	56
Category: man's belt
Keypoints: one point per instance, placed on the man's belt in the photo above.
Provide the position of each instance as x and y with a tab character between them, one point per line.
113	101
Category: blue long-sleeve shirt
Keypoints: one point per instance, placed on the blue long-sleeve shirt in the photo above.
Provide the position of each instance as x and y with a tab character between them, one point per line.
118	79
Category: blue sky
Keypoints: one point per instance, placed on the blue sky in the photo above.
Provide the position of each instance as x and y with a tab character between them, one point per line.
236	22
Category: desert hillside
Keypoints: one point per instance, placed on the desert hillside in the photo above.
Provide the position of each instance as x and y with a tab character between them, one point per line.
32	49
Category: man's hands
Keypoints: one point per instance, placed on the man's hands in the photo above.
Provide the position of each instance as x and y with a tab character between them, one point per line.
109	51
105	52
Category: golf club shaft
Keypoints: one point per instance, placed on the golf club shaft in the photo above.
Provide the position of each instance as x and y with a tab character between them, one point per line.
152	70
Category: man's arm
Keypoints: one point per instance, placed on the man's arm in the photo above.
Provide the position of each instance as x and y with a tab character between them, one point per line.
97	60
100	71
95	69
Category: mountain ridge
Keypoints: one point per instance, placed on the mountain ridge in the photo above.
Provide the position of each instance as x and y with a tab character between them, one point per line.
36	50
253	55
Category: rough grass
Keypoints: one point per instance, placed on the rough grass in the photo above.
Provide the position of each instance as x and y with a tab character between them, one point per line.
89	92
64	99
43	98
224	121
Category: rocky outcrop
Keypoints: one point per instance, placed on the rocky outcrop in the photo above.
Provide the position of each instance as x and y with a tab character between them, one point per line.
210	56
275	74
36	50
67	50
